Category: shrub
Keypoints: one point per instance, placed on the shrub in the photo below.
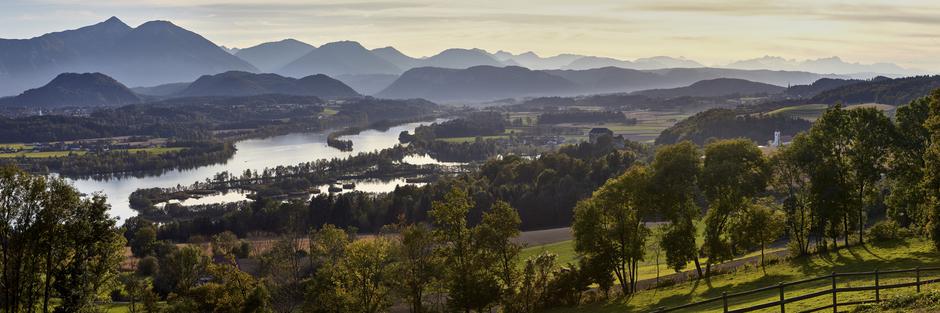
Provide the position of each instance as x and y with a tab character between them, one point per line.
566	287
928	301
885	231
665	282
147	266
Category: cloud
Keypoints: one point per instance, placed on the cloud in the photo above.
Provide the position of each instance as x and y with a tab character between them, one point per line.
863	30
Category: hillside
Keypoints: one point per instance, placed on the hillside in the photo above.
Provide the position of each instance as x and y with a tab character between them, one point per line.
153	53
615	79
272	56
249	84
339	58
32	62
477	83
534	61
883	90
368	84
71	89
160	52
397	58
725	124
161	90
715	88
819	86
822	65
460	59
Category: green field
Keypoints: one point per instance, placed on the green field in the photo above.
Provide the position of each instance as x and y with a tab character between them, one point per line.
812	111
649	125
807	111
329	112
58	154
119	308
566	254
897	255
157	150
44	154
15	146
472	139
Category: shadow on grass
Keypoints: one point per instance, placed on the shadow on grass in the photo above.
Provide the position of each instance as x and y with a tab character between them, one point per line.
672	301
889	244
763	281
865	258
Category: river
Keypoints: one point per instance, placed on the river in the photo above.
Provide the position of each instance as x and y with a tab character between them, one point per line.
254	154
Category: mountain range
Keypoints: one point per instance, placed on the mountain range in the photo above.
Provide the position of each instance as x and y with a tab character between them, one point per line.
475	84
272	56
159	52
100	90
834	65
488	83
153	53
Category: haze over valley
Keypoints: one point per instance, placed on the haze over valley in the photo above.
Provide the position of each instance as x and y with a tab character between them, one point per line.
427	156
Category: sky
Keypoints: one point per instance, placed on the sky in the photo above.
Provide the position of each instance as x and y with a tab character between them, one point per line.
906	32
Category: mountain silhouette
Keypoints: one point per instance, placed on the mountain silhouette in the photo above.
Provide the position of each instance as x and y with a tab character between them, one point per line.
478	83
153	53
714	88
239	84
271	56
76	90
339	58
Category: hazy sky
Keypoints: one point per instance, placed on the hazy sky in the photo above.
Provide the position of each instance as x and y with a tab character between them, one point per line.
906	32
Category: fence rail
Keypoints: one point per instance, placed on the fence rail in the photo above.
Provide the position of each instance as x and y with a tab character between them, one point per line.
833	290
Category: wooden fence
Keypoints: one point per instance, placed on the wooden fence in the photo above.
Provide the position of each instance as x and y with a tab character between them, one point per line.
833	291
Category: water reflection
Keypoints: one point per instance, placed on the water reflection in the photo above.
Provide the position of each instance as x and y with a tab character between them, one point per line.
251	154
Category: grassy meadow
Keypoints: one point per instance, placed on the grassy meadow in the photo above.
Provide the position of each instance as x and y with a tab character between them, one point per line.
903	254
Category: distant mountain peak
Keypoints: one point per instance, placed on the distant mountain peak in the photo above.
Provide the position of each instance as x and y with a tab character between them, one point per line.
833	64
339	58
344	44
529	54
113	20
292	41
157	24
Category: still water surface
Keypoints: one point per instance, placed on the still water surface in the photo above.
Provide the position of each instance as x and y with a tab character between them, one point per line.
254	154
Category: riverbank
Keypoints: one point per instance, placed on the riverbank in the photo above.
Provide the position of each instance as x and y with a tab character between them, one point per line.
251	155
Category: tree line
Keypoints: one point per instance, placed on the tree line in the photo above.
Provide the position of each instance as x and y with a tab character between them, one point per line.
122	162
448	263
544	190
579	116
852	169
727	123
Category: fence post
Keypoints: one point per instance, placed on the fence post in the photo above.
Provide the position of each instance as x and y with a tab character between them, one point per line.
724	300
783	305
835	301
877	285
918	278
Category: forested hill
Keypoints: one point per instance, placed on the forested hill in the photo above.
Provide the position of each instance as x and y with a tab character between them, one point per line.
819	86
195	118
895	91
237	83
73	89
715	88
725	123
